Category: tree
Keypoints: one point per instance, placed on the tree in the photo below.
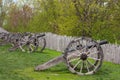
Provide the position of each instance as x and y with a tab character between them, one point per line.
4	8
19	17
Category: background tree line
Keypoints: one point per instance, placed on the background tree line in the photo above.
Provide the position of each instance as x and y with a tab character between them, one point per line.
98	19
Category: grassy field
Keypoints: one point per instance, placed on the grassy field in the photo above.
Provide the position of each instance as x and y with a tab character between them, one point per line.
20	66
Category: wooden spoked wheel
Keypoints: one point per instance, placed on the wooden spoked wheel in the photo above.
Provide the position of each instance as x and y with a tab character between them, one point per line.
83	56
40	44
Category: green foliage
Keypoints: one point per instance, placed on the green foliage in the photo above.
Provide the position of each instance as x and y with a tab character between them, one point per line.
96	19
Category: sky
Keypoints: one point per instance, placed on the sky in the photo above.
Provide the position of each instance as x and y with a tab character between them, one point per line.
15	0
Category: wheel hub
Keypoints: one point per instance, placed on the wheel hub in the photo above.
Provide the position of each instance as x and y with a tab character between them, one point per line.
83	56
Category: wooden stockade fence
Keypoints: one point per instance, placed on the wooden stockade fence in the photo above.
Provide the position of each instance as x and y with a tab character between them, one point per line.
59	43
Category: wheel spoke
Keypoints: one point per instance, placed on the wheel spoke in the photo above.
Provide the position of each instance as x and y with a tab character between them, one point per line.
31	47
85	42
76	64
91	63
94	58
93	52
92	47
87	67
21	48
79	51
81	68
79	42
73	60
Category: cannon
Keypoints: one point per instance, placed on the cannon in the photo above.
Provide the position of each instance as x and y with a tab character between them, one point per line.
26	41
82	56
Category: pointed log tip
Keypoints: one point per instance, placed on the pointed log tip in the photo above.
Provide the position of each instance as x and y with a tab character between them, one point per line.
36	69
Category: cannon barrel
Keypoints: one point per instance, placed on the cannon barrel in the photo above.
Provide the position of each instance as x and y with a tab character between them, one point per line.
41	35
103	42
100	43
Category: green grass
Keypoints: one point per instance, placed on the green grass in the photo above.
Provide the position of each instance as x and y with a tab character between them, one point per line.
20	66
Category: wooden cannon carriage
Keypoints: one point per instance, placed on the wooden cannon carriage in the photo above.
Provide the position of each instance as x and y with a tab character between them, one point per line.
82	56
